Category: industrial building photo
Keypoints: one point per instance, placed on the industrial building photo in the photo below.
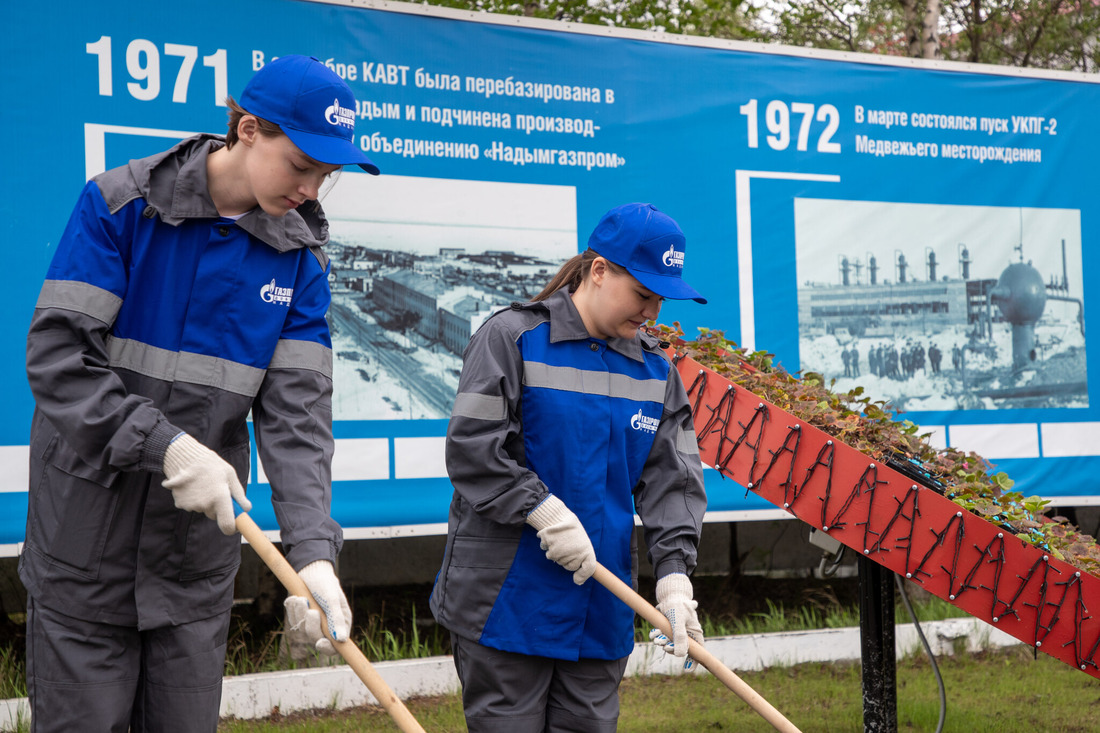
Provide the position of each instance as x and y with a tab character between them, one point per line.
943	307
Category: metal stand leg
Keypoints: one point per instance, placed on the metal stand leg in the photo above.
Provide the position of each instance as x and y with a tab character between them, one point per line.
876	631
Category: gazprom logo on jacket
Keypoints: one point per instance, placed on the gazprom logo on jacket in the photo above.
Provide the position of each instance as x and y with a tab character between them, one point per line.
644	422
673	258
272	293
337	115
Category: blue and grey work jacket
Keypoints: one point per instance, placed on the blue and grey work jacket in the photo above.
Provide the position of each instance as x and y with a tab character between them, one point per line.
543	408
157	316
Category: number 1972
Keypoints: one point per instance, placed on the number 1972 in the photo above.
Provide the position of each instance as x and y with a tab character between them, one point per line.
777	119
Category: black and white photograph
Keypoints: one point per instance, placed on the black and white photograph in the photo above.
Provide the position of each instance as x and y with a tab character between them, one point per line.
943	307
418	264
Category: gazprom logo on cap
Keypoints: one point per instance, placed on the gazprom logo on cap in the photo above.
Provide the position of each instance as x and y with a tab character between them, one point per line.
673	258
337	115
644	422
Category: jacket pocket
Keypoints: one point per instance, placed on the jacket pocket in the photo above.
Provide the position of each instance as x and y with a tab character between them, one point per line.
484	553
72	508
473	574
207	552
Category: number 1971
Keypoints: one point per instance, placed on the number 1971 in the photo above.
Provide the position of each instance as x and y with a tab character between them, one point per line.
143	65
777	118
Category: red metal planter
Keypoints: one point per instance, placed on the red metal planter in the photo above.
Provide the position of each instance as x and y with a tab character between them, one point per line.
910	529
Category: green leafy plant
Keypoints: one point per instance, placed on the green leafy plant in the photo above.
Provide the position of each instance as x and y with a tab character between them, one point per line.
874	428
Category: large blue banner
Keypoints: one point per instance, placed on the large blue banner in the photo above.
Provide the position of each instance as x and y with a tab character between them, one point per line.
925	232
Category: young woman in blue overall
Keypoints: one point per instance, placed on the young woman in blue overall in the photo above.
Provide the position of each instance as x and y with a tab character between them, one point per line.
567	421
187	293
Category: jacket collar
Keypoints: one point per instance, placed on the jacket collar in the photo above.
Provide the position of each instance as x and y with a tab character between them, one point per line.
174	183
566	325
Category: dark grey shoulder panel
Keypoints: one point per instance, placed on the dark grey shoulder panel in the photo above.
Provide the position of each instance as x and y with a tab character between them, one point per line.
518	318
321	256
117	187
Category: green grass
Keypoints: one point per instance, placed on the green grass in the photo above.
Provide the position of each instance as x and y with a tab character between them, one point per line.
778	618
382	645
248	652
1006	691
13	674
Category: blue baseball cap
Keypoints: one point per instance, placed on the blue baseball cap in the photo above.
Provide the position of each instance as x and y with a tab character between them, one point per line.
649	244
313	106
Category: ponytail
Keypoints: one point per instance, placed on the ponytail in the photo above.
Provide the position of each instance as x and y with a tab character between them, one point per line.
574	272
571	275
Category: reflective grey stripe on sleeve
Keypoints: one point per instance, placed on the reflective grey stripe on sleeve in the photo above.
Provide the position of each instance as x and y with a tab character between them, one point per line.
478	406
686	442
172	366
81	297
571	379
295	354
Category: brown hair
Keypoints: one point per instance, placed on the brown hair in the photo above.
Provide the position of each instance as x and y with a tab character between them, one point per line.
236	112
574	272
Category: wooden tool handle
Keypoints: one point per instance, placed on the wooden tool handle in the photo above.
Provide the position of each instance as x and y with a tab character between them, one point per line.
347	649
699	653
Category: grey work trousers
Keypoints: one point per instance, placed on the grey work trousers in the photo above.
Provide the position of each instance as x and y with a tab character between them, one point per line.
504	692
89	676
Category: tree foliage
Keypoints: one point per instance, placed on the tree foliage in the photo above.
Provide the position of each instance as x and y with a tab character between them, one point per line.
865	26
1058	34
731	19
1055	34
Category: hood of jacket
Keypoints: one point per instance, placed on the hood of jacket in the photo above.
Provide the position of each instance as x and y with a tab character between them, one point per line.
174	183
566	324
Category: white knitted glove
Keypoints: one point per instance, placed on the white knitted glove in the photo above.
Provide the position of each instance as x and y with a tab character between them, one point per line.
302	629
320	577
563	537
674	600
200	481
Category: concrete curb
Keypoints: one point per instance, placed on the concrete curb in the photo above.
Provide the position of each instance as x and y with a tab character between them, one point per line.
257	695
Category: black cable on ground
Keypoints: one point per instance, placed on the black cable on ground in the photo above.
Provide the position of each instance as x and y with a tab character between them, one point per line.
927	649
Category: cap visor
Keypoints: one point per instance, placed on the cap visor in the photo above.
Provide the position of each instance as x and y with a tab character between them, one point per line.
331	150
672	288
